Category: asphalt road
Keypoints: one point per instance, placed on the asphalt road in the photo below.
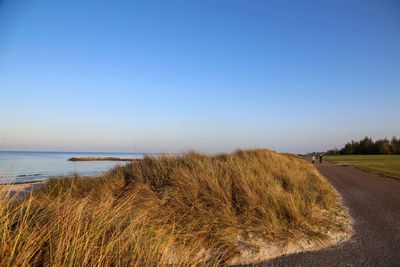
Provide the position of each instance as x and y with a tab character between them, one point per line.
374	204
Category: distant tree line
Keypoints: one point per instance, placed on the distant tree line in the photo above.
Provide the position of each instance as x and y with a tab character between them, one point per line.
368	146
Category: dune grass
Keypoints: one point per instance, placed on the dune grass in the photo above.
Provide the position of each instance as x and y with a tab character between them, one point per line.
166	209
382	165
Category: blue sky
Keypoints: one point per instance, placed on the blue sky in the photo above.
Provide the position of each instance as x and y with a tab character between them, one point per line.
293	76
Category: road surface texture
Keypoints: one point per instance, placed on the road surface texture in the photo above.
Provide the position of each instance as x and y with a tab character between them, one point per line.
374	204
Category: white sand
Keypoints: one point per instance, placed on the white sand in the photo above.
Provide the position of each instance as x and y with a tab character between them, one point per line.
21	189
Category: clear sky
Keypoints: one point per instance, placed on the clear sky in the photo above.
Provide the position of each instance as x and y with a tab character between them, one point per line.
102	75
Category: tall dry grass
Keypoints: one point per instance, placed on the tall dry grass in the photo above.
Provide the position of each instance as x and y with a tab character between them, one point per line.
166	209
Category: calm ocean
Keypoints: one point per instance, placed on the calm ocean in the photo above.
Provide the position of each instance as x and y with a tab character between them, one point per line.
26	166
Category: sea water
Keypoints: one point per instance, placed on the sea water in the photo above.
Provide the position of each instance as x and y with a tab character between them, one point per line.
27	166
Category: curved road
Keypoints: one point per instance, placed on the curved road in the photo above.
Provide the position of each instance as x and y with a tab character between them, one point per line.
374	204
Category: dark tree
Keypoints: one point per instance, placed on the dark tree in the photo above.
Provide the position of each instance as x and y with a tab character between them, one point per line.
368	146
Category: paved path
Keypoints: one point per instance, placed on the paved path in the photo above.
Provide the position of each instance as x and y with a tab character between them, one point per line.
374	204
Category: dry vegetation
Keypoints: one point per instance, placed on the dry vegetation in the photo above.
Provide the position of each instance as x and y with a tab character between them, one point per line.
167	209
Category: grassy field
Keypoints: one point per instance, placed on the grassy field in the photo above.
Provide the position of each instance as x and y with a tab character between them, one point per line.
167	209
383	165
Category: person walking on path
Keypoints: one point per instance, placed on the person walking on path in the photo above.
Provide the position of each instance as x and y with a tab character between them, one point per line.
313	159
320	158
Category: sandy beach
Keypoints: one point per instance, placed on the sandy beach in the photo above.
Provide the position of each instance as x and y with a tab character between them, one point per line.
21	189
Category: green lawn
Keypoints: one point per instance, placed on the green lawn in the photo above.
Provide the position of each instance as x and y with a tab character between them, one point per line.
383	165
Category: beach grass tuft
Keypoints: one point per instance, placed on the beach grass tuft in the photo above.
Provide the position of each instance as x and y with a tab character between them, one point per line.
181	210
